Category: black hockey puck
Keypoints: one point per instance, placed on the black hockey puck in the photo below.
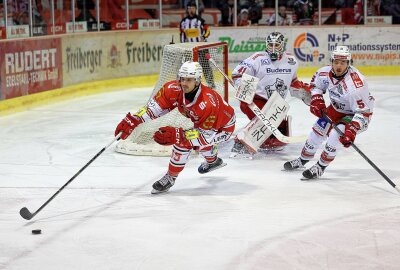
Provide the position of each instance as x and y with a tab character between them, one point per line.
38	231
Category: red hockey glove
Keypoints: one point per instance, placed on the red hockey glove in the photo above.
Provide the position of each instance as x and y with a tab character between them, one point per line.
169	136
301	85
350	133
127	125
317	105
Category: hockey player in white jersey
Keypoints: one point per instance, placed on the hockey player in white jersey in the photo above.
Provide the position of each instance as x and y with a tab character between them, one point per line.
277	71
350	109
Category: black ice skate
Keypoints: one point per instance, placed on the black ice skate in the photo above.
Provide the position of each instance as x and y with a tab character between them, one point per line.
314	172
239	150
206	167
294	164
164	184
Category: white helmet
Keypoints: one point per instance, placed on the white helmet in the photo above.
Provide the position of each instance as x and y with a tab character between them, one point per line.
190	69
275	45
341	53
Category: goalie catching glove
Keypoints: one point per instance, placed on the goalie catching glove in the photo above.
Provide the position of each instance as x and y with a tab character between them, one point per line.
127	125
350	133
170	135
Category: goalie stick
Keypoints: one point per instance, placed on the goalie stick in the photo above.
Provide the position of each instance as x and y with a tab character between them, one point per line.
247	97
363	155
26	214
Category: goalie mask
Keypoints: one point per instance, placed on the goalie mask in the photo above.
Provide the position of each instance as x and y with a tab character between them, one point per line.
191	69
275	45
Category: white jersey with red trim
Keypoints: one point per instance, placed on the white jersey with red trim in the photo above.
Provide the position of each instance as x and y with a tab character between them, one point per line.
350	95
274	75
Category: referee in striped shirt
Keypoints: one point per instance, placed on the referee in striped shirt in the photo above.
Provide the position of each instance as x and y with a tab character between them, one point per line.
194	29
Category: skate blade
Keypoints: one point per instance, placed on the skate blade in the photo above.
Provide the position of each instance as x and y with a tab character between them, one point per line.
215	168
308	179
241	156
155	191
294	170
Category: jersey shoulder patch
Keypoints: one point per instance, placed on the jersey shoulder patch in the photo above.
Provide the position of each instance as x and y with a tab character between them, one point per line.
255	56
356	80
323	73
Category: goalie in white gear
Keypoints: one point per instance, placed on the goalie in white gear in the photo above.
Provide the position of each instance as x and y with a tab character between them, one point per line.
277	71
350	110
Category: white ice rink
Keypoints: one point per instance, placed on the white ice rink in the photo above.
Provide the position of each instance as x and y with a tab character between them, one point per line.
248	215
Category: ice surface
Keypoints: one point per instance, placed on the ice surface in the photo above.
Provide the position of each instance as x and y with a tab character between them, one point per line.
247	215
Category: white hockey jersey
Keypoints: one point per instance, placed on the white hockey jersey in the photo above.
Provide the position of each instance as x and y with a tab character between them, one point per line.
349	95
274	75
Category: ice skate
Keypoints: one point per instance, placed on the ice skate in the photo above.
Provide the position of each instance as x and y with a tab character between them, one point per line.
294	164
163	185
314	172
206	167
239	150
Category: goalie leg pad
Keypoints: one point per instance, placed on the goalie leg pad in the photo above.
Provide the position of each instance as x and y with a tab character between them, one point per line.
255	133
244	107
272	143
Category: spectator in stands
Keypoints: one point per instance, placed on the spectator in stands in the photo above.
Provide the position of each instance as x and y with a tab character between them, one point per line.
194	29
243	18
20	12
283	17
85	6
255	12
374	8
226	8
392	8
304	10
358	12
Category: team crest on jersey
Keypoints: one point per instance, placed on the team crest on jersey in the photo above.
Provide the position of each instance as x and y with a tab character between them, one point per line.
323	74
357	80
244	63
291	61
278	86
265	62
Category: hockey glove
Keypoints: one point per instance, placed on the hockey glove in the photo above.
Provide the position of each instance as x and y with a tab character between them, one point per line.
127	125
317	105
169	136
350	133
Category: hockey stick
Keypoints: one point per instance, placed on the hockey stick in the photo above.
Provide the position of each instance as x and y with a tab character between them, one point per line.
26	214
260	115
362	154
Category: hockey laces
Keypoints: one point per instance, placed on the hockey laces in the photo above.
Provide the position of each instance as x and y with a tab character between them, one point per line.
317	170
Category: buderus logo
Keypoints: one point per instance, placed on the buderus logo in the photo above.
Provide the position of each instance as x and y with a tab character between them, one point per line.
304	56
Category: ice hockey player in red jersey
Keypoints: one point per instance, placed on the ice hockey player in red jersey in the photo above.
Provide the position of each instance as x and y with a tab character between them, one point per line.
213	119
350	109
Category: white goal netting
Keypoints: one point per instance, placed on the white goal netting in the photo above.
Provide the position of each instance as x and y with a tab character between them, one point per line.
140	142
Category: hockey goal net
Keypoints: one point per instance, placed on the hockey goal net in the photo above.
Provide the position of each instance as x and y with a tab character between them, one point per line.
140	142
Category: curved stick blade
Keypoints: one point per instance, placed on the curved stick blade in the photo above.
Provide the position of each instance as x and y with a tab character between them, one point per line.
24	212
